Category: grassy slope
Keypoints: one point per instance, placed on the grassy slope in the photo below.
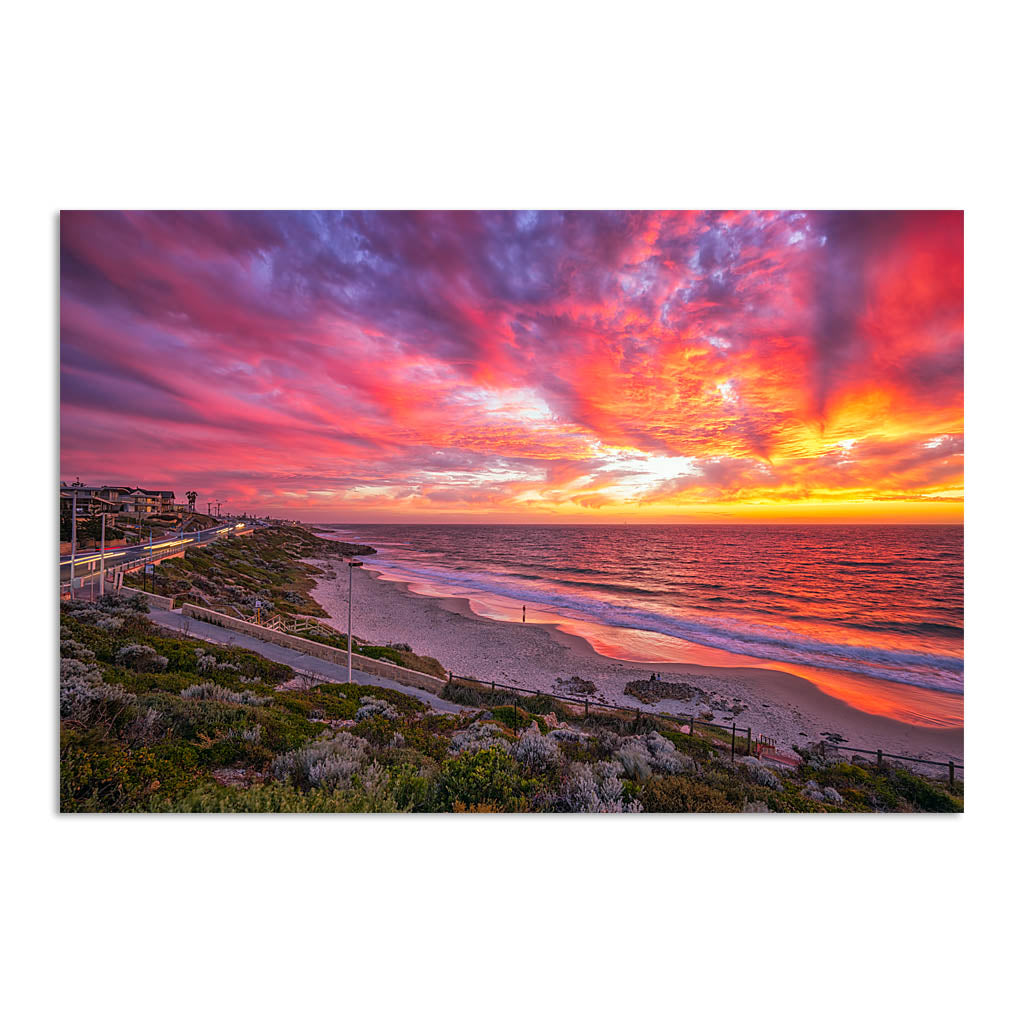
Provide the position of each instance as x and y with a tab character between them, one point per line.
266	564
131	741
229	575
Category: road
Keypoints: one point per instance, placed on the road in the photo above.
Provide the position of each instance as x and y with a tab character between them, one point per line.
302	663
87	562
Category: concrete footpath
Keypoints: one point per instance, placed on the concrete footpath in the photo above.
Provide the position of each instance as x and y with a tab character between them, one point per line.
302	663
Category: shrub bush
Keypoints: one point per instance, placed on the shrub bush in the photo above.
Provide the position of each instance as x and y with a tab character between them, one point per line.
329	762
86	698
591	788
490	776
680	794
371	706
140	657
536	752
760	774
642	755
211	691
478	736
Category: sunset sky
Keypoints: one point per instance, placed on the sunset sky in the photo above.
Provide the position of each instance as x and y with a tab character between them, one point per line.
373	367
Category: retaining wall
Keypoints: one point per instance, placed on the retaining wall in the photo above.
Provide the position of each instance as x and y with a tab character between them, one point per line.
155	600
384	669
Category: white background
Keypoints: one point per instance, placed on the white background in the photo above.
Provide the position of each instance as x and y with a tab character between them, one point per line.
581	105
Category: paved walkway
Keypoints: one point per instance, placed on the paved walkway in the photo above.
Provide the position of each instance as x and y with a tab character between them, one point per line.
302	663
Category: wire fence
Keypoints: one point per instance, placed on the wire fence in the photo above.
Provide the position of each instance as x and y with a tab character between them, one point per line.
741	737
881	756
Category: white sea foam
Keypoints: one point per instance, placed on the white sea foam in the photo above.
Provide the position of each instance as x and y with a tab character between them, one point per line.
926	670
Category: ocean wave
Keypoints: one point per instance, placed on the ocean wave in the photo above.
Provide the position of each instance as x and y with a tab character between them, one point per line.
925	670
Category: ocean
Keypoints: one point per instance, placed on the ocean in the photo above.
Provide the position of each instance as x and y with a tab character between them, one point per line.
883	602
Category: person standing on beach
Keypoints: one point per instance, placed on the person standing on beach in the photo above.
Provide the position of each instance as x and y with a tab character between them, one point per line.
524	613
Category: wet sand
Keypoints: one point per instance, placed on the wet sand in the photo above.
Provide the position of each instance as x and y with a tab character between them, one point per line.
771	700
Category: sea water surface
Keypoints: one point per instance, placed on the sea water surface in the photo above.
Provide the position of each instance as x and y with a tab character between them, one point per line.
880	603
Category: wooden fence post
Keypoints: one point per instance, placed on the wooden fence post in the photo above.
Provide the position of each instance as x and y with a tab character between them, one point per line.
693	728
586	708
748	739
951	775
879	758
515	716
732	752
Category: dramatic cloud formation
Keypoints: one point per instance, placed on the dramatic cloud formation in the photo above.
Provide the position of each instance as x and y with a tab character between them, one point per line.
427	366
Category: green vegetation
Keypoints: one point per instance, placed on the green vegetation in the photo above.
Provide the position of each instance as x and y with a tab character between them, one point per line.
232	574
152	721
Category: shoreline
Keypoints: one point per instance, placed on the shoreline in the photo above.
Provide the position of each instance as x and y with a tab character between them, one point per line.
771	700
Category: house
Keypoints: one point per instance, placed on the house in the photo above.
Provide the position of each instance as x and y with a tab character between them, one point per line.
90	502
145	502
132	501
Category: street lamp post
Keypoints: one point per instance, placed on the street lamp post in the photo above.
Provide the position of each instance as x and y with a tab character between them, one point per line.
74	524
103	549
351	565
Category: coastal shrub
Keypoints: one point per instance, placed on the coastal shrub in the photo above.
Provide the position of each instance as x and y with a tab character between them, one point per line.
760	774
430	736
535	751
595	788
140	657
106	775
371	706
145	726
412	788
205	661
478	736
253	734
682	794
651	752
86	698
813	791
212	691
697	747
373	783
328	763
491	776
265	798
71	648
405	659
568	735
921	793
513	717
376	730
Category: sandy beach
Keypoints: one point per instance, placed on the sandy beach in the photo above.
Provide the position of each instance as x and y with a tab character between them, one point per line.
781	704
